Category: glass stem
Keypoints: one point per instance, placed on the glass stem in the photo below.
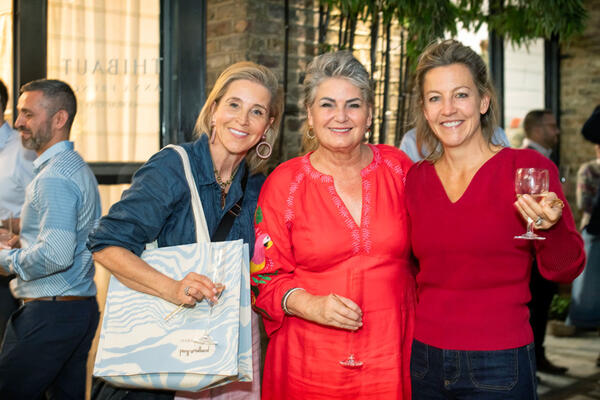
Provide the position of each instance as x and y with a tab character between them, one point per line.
529	226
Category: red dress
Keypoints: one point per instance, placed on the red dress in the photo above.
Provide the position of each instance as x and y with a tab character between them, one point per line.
311	241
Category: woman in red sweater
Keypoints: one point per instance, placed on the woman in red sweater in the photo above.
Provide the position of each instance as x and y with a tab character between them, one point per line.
472	334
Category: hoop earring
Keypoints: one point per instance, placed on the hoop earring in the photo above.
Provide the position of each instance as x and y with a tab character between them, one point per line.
263	143
308	134
213	134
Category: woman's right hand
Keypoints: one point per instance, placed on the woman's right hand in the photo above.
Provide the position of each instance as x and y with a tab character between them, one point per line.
197	287
136	274
331	310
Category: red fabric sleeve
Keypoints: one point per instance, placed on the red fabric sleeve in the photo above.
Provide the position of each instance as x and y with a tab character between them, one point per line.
276	277
561	257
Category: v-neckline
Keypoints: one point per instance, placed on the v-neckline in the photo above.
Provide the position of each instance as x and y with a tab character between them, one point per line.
333	191
468	188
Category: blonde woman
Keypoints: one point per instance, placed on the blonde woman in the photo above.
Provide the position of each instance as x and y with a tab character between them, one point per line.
472	334
237	126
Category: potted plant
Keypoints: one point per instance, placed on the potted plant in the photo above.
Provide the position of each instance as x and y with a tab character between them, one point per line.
559	309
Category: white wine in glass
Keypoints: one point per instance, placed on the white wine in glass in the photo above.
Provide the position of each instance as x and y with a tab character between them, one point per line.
534	182
207	339
355	286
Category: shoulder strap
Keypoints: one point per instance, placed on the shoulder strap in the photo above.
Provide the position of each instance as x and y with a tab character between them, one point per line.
229	217
199	218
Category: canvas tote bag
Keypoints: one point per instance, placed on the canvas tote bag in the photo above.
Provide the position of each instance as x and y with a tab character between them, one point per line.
147	342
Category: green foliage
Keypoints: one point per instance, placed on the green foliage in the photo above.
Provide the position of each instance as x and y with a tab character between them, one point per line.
424	21
521	21
518	21
559	308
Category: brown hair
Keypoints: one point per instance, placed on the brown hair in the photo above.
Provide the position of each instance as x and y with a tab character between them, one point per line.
534	118
59	94
441	54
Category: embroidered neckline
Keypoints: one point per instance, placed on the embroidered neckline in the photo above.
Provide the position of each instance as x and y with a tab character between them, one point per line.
359	234
317	175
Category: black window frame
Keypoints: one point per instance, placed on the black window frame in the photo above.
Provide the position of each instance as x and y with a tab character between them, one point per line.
182	70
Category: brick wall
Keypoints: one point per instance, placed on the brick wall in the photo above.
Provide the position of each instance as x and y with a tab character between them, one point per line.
239	30
255	30
580	93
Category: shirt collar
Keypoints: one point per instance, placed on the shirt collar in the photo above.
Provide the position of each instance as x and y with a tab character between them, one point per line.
52	151
5	133
528	143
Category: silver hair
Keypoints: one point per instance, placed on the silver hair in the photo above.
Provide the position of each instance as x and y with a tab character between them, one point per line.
339	64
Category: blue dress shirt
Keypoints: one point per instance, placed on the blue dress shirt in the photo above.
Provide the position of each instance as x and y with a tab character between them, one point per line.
16	171
157	205
61	206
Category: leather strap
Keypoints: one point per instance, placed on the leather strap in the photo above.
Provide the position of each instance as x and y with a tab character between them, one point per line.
55	298
227	221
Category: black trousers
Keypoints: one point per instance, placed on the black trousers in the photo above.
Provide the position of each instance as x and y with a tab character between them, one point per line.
45	350
8	305
102	390
542	292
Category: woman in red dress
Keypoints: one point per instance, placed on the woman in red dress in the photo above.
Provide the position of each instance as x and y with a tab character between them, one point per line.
336	286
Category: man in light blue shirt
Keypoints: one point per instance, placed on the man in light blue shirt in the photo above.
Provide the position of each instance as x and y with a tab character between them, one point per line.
54	270
16	171
409	143
16	166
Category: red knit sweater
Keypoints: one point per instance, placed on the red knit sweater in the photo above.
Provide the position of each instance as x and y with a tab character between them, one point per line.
473	283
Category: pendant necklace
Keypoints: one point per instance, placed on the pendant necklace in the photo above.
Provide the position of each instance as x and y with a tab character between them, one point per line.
223	185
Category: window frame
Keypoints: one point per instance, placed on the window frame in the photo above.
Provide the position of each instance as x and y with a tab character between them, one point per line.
182	70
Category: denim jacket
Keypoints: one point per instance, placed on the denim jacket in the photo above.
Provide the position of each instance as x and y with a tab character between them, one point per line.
157	205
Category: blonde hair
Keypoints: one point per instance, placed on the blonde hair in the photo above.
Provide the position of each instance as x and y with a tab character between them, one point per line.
339	64
441	54
250	71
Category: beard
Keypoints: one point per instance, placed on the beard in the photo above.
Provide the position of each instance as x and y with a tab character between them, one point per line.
37	140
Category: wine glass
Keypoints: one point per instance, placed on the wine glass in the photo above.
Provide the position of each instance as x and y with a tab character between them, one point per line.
354	284
534	182
207	339
6	233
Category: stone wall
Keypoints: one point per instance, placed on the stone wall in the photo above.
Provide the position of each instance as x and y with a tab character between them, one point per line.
580	93
240	30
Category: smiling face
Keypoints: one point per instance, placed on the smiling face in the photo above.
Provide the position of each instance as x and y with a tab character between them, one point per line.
241	116
452	105
339	115
33	121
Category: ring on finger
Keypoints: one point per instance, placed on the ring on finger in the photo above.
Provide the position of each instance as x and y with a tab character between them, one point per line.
186	290
539	221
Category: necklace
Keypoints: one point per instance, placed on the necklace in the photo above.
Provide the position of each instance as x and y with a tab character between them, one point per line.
223	185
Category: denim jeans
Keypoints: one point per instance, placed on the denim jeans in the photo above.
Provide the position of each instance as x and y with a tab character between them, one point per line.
452	374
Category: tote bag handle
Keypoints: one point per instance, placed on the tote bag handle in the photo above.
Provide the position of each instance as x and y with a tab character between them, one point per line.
202	234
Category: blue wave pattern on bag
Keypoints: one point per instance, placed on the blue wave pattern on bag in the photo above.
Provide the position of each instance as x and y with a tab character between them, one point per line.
139	348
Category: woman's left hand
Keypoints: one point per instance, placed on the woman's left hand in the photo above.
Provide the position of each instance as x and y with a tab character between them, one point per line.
543	214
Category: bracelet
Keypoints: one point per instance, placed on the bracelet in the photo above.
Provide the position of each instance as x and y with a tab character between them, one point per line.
285	297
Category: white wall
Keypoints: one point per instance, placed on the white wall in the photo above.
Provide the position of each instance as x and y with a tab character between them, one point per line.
523	80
